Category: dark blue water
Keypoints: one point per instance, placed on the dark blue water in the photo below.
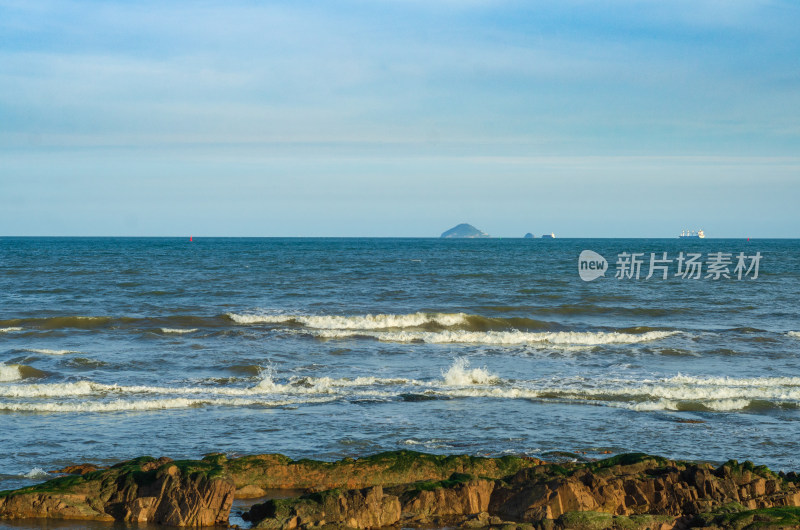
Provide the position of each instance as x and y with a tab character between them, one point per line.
324	348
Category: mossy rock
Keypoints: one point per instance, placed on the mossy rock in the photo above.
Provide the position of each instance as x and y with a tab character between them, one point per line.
192	468
556	469
245	463
121	476
601	521
586	520
729	517
738	469
626	459
456	479
56	485
401	461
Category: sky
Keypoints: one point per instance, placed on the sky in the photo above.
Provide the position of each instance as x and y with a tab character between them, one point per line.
621	118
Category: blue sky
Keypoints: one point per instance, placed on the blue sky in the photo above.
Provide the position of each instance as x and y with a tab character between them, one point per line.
399	118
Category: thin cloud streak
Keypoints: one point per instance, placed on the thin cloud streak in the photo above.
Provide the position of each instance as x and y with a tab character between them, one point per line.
287	114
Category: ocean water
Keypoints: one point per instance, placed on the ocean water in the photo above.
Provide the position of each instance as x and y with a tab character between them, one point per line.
325	348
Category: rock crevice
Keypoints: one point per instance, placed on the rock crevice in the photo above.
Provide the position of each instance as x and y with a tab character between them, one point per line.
408	489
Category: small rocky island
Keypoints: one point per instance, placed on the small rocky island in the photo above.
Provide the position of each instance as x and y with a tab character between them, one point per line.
416	490
464	230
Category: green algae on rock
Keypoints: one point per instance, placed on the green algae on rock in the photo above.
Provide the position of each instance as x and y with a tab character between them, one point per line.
404	488
145	489
255	474
634	491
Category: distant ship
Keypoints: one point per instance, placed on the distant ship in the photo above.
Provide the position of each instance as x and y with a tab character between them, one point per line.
690	234
551	235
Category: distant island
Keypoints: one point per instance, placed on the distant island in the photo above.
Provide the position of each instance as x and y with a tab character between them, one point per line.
464	230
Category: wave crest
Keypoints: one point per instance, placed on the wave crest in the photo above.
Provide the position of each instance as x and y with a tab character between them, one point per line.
121	405
460	374
15	372
457	381
37	473
366	322
508	338
45	351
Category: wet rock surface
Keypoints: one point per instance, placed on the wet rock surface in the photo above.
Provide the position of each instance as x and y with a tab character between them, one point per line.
143	490
628	491
408	489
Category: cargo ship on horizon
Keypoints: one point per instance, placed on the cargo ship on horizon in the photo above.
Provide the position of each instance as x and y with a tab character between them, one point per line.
690	234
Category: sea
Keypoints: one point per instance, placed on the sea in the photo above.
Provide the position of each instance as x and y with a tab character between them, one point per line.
113	348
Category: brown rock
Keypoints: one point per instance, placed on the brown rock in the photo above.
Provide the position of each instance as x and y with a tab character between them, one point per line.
50	506
385	469
632	491
467	498
638	484
77	469
199	494
364	508
155	464
629	491
250	492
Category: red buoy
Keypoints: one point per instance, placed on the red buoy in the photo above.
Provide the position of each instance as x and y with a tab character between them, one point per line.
190	239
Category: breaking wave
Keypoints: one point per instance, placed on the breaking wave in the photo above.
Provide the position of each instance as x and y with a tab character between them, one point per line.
121	405
45	351
10	329
460	374
565	338
795	334
720	405
37	473
434	443
266	385
457	381
16	372
10	372
379	321
177	330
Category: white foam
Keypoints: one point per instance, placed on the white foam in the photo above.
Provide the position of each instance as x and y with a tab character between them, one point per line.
295	386
727	404
662	404
37	472
795	334
507	338
678	388
178	331
715	394
45	351
10	372
734	381
488	392
363	322
120	405
459	374
720	405
41	390
459	380
434	443
9	330
267	384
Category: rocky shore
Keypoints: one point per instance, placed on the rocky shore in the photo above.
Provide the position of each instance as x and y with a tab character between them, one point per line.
409	489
